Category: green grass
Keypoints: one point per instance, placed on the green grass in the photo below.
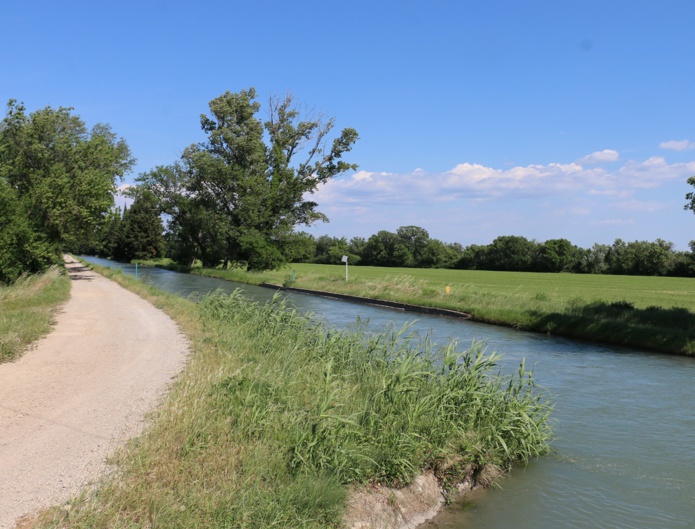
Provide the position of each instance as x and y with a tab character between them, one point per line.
275	418
27	310
656	313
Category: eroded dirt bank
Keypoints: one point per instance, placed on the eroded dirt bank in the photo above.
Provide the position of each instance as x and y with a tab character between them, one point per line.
85	389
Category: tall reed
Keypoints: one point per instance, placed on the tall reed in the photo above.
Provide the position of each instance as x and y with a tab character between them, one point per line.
376	407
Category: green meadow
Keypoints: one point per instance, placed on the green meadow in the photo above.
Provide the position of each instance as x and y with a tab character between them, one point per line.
656	313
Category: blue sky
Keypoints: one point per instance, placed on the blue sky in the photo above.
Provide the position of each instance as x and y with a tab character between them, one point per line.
545	119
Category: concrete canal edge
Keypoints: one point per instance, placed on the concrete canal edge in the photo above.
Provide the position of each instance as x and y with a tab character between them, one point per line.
379	507
407	307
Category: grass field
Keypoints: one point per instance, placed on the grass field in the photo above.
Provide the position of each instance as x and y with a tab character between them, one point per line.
27	309
274	419
643	291
656	313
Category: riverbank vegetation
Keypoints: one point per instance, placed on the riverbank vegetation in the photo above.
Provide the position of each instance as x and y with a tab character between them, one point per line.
656	313
27	310
276	418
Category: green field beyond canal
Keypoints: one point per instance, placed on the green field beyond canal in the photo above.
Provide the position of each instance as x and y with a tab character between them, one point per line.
657	313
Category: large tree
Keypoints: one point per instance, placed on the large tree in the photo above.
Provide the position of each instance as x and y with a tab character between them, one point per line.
22	250
62	176
140	234
249	180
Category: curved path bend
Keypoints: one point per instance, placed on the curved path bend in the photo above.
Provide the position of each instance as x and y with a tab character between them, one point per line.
81	392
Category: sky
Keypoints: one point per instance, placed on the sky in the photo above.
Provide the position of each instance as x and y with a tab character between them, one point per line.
545	119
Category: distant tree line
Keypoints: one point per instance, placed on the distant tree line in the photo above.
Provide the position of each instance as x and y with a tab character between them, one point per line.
137	233
411	246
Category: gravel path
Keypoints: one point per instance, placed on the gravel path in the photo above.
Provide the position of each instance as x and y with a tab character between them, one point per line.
85	389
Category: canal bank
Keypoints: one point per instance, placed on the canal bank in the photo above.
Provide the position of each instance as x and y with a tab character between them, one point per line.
397	305
624	420
648	313
289	381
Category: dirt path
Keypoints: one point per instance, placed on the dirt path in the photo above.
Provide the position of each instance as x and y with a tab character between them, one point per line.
84	389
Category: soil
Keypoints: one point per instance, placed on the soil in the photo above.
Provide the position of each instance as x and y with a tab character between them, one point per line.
81	392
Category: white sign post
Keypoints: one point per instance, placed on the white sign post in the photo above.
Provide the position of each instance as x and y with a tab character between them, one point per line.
345	260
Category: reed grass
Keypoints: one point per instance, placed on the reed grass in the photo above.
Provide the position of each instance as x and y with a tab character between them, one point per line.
275	417
27	310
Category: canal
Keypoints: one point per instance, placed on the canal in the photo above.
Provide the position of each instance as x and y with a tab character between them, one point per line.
624	420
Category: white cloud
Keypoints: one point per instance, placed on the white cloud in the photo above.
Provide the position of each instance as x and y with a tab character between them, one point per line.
606	155
362	175
472	202
652	172
470	182
475	203
677	145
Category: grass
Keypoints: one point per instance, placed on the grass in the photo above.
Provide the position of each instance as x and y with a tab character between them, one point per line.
656	313
27	310
275	418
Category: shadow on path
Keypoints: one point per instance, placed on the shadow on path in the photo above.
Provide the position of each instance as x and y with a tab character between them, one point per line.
76	273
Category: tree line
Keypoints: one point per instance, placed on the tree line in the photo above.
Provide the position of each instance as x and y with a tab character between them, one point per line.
411	246
137	233
236	199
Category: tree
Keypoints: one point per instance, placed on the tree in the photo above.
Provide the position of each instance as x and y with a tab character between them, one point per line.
251	189
356	246
22	250
385	248
109	233
510	252
140	233
593	260
640	257
556	255
193	231
63	176
299	247
473	257
415	240
437	254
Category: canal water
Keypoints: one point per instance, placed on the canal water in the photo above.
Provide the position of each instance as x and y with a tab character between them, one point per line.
624	420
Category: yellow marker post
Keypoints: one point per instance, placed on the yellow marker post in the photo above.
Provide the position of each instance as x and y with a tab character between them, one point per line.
448	290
